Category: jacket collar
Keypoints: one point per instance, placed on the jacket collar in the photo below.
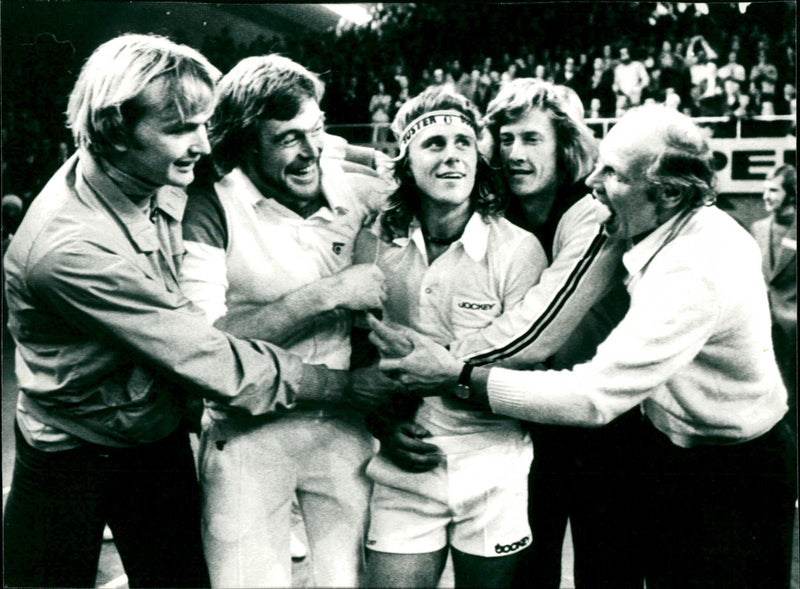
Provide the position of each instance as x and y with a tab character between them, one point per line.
169	200
786	251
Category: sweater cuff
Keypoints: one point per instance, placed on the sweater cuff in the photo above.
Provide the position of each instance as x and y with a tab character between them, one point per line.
505	394
505	390
318	383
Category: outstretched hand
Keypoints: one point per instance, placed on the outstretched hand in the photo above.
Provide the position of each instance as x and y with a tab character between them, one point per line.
424	367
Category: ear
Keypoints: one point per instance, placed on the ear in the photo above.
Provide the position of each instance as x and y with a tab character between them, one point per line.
116	139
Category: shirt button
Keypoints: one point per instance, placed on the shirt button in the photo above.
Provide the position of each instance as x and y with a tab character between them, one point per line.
428	291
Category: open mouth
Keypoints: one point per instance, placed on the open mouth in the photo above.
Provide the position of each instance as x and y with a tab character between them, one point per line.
519	173
450	176
185	163
603	213
304	173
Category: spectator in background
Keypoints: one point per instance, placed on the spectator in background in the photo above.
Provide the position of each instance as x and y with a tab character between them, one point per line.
711	95
672	74
438	79
540	72
12	211
787	103
352	103
400	80
469	86
777	237
484	91
402	98
425	79
569	76
594	109
380	105
601	88
609	63
732	70
622	104
630	78
672	99
697	59
735	104
457	78
763	82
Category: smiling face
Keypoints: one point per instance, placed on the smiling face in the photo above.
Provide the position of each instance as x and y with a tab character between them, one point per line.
528	154
443	160
619	180
165	147
288	155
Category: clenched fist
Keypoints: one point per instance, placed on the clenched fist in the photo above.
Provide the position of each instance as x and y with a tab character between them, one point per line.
358	288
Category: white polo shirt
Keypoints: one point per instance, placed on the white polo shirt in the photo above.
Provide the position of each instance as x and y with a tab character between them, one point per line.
244	248
487	270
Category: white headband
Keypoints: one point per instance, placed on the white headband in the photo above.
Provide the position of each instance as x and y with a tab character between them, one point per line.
437	117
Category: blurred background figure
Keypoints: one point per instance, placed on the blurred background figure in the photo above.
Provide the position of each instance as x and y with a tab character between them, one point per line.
777	236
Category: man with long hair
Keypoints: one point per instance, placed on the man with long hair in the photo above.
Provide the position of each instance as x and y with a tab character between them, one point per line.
269	254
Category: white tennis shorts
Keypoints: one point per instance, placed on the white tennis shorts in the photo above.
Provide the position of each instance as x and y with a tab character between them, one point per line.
475	501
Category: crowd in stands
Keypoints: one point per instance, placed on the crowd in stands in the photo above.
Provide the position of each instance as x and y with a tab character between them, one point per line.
744	75
690	76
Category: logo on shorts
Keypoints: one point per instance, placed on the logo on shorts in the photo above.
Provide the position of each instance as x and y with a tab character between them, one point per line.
337	247
475	306
504	548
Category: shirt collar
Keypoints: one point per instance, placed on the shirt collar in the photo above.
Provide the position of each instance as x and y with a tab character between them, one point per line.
168	199
639	256
474	239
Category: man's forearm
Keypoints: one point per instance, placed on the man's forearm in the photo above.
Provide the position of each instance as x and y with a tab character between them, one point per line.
282	321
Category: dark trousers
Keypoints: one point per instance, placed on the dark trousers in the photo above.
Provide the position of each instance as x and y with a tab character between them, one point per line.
785	344
60	501
588	476
719	516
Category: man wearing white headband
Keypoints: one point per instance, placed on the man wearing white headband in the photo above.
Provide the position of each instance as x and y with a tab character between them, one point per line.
452	265
451	118
545	151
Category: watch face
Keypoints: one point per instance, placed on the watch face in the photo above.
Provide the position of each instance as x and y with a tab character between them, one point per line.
462	391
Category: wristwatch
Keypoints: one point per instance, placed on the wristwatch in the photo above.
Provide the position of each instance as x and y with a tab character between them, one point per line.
462	390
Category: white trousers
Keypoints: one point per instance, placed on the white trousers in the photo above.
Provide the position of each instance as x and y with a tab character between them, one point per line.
249	476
